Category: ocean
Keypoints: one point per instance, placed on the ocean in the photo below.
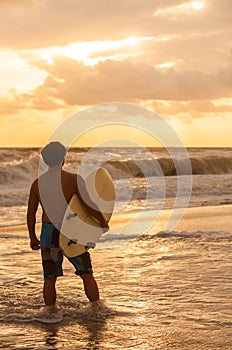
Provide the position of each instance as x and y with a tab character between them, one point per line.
211	177
166	283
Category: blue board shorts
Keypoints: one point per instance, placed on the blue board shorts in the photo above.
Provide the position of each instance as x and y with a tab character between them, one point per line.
52	256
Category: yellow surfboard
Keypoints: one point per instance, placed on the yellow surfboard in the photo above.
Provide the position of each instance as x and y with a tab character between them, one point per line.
80	231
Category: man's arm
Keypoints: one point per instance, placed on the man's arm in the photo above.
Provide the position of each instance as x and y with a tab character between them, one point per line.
33	203
92	207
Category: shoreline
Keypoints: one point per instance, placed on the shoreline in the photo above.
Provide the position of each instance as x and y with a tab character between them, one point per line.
196	218
204	218
177	290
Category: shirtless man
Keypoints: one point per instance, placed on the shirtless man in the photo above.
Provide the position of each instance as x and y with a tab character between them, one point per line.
53	190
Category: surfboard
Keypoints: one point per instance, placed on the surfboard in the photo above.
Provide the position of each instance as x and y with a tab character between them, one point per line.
80	231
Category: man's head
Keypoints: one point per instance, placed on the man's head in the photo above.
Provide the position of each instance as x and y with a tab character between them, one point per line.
53	153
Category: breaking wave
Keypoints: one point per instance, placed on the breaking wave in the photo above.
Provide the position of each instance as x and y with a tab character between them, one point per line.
19	173
22	172
166	167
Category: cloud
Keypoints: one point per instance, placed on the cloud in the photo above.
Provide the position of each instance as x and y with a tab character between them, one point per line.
71	21
13	103
75	84
41	23
198	43
10	104
206	52
189	109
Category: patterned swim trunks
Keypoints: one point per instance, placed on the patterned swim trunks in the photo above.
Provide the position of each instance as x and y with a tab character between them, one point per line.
52	256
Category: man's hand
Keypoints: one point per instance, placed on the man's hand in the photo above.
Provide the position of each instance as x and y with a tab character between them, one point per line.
35	244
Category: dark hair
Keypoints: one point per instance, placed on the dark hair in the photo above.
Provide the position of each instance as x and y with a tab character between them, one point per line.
53	153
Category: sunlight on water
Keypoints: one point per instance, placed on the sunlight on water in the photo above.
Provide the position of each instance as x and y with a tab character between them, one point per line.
159	292
164	290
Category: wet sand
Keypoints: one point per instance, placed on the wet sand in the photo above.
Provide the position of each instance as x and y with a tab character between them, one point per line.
163	291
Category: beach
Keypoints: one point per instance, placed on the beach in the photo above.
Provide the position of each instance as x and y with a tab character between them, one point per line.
162	290
115	126
163	269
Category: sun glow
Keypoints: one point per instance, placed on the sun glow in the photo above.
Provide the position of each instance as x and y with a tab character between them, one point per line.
168	64
187	7
197	5
132	41
90	52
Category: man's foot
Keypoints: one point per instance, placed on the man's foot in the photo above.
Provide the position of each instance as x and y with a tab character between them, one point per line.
99	309
49	314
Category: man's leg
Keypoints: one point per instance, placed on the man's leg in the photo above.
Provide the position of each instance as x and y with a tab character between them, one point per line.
49	292
50	313
90	287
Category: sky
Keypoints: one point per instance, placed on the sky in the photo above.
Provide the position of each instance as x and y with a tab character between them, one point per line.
59	57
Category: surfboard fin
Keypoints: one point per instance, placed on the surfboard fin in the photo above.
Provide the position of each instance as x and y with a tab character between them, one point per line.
91	244
72	241
70	216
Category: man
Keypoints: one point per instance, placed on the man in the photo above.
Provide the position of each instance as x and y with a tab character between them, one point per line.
53	190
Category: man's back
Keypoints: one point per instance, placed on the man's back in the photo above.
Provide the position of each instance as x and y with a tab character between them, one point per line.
53	190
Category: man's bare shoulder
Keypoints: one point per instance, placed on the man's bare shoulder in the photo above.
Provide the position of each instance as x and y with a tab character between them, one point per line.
34	187
34	184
